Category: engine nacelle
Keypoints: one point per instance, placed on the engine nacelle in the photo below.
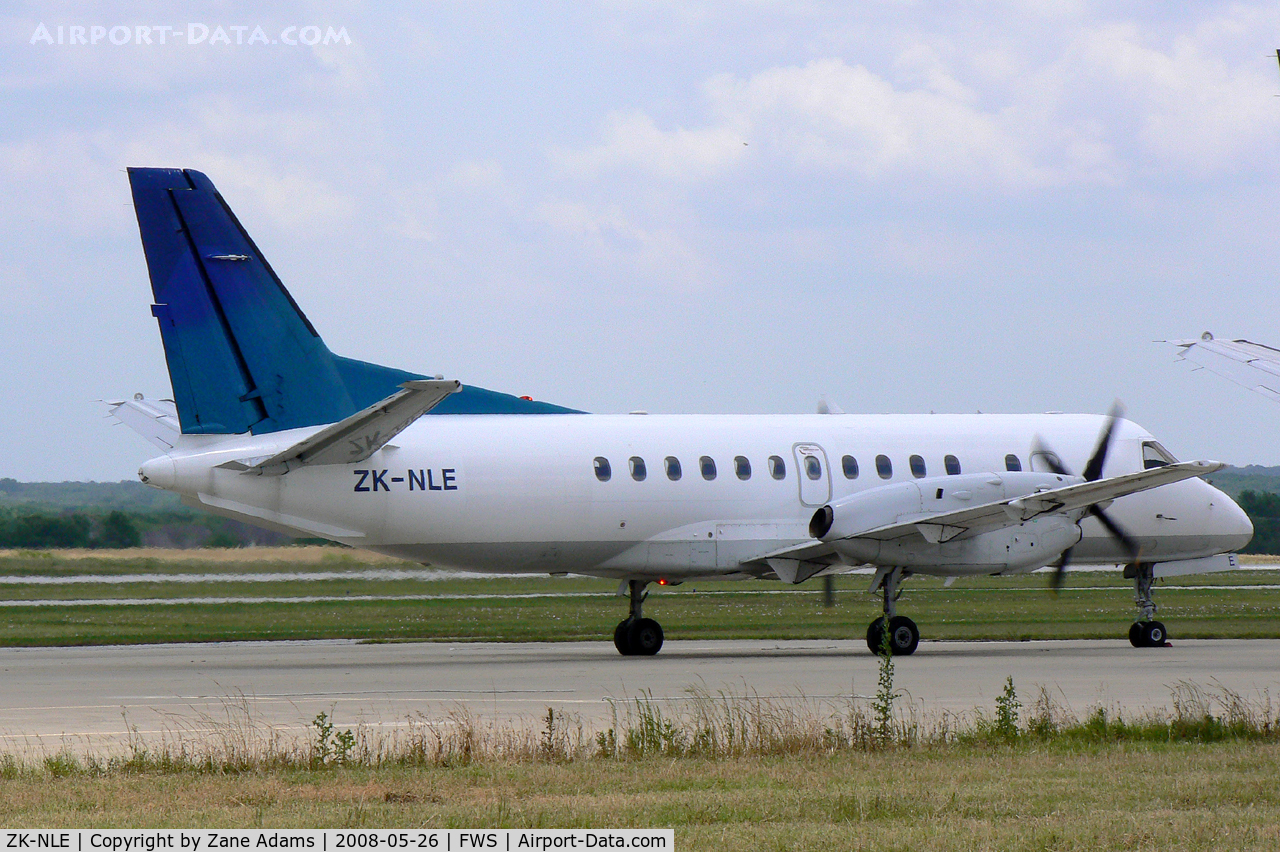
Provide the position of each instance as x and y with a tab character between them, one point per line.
1030	545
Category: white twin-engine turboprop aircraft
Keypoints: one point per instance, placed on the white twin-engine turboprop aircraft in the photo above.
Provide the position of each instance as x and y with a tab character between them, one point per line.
269	427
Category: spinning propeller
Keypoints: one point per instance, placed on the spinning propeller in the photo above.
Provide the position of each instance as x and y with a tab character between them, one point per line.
1092	472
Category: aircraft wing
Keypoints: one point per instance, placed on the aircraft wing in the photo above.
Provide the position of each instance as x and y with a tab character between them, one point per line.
945	526
360	435
1251	365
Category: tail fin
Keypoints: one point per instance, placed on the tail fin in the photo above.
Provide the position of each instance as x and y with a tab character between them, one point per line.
242	356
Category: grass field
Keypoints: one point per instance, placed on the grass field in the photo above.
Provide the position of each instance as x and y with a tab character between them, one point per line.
302	593
1179	797
776	778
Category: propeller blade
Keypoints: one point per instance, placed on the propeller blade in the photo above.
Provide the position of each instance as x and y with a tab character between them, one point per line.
1055	581
1093	470
1049	458
1117	532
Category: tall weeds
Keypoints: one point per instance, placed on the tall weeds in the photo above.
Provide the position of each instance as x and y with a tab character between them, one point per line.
702	724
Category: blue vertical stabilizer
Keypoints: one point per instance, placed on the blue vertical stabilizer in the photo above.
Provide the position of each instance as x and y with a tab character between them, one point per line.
242	356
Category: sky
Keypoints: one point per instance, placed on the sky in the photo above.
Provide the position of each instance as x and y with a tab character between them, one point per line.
691	206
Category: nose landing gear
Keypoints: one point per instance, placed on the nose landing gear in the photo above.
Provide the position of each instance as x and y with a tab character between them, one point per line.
636	635
1146	632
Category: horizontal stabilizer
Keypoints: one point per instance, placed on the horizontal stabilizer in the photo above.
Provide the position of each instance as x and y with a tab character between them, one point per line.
1251	365
155	420
363	433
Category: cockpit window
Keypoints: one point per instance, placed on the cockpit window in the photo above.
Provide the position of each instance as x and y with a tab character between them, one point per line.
1154	455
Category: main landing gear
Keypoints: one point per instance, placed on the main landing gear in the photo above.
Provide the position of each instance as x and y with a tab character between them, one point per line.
1146	632
891	633
635	635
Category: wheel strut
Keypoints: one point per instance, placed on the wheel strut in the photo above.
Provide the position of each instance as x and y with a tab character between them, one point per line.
1146	632
636	635
891	633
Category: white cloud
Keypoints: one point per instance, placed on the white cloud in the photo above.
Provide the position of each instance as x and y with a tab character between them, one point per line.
826	115
1194	109
633	139
666	257
1099	104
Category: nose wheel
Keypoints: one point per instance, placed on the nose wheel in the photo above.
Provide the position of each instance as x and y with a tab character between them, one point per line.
635	635
1146	632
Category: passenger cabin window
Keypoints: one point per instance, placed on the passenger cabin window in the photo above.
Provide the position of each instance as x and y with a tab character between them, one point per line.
602	469
918	470
1011	462
1046	461
813	467
742	467
1154	455
952	464
638	472
673	468
708	467
777	467
850	467
884	467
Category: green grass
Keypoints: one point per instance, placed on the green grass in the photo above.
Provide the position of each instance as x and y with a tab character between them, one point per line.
1091	605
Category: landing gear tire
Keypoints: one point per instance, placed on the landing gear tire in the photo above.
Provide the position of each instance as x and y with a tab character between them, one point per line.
903	637
644	637
1148	634
1155	634
875	637
1135	635
620	637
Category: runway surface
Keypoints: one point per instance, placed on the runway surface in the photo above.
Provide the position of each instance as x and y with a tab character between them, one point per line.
86	697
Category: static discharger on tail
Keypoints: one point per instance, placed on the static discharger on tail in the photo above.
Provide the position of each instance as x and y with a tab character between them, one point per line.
269	427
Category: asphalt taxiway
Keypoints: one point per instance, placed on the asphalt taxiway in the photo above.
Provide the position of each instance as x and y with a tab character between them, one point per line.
94	695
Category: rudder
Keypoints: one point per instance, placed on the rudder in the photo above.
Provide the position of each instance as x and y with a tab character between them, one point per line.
242	356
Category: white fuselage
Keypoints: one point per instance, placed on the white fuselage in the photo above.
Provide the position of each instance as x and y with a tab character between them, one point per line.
525	493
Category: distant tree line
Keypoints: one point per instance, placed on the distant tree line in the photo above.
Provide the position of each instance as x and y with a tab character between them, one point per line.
38	530
1263	508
